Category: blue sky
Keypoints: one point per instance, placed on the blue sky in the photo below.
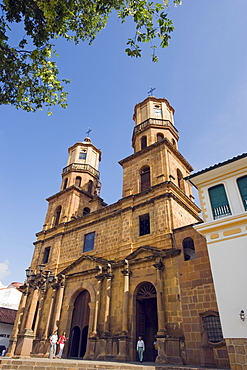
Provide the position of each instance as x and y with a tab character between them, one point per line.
203	74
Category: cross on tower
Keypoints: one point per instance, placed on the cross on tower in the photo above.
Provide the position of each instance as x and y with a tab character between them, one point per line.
151	90
88	131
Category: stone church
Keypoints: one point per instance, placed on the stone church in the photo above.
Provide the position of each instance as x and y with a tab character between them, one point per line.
106	274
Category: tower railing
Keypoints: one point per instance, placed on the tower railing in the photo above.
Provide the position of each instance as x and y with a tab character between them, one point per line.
154	122
81	167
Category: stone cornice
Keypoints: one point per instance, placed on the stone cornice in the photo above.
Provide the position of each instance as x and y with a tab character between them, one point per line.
182	199
72	187
157	144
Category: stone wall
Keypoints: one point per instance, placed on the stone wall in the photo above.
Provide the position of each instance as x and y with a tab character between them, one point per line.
237	350
197	298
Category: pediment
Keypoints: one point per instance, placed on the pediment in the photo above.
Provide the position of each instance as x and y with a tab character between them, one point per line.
147	252
85	264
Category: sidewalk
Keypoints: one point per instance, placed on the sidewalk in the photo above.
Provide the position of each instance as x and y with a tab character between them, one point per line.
64	364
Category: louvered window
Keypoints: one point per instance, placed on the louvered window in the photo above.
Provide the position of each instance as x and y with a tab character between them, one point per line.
219	201
242	185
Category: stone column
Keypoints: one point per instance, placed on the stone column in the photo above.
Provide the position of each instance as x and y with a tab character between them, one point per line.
100	278
32	309
162	350
58	305
25	337
124	340
51	310
17	325
94	307
108	303
125	319
160	299
106	341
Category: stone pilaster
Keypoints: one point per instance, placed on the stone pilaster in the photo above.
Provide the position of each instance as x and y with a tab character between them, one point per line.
17	325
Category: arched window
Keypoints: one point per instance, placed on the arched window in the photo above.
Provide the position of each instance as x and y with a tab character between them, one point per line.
86	211
219	201
242	186
57	215
189	249
180	180
145	178
78	181
143	142
90	186
160	137
65	184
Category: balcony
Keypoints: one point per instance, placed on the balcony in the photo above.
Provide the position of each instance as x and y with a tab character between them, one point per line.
81	167
221	211
152	122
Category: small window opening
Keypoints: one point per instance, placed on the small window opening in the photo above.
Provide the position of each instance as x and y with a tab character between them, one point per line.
143	142
65	184
46	255
189	249
89	242
160	137
180	180
57	215
157	111
86	211
145	178
78	181
144	224
90	186
83	154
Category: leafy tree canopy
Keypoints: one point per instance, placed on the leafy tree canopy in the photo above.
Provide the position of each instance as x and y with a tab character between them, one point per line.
28	74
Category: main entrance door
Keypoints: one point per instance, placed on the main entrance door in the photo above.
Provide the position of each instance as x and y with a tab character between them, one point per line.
146	316
79	326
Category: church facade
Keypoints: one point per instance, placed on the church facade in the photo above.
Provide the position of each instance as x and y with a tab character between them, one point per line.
107	274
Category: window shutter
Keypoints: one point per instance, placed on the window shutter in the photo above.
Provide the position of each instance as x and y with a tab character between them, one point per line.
219	201
242	185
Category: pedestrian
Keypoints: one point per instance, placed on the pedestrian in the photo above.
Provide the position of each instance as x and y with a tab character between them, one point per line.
140	348
53	344
3	352
155	344
61	343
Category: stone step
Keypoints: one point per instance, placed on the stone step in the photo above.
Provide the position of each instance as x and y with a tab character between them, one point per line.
57	364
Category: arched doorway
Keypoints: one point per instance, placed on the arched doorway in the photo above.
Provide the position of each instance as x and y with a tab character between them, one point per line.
79	326
146	317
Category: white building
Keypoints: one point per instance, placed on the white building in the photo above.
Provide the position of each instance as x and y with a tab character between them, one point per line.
9	301
223	198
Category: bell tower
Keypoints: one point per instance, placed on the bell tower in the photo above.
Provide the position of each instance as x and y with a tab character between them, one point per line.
153	121
79	193
156	158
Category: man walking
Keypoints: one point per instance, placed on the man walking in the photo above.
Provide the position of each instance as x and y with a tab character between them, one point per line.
53	344
140	348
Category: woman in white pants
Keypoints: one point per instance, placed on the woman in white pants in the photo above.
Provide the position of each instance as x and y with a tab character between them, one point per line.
61	342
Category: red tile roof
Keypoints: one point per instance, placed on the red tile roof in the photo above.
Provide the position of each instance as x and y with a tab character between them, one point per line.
7	315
